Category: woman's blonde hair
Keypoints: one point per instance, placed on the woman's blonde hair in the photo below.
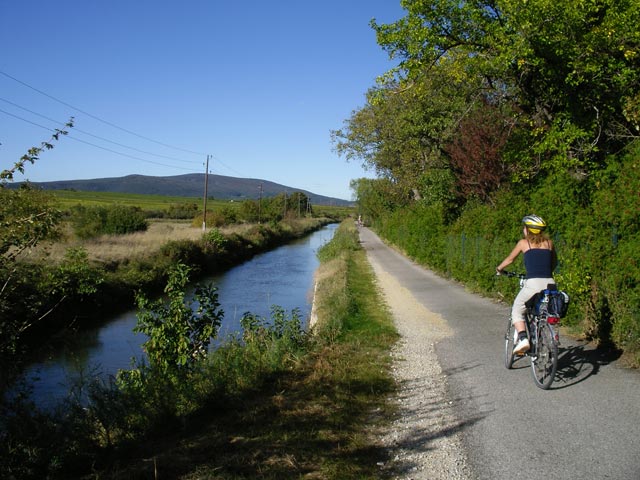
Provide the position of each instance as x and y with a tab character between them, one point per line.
536	238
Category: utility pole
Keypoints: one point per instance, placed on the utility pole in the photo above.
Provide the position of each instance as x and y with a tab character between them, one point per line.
260	206
285	205
204	201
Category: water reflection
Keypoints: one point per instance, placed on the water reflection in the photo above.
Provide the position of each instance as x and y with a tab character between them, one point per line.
283	277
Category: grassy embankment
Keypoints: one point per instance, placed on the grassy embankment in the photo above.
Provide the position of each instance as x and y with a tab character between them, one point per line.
313	416
140	261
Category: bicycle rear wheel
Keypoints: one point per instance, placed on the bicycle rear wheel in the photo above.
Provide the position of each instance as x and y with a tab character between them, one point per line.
544	361
509	340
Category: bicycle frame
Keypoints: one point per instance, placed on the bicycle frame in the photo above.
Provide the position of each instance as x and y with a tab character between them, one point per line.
544	340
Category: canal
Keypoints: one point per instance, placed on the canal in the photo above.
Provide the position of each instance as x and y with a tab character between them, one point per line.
283	277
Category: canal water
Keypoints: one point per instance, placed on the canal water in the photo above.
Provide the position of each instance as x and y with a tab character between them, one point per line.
282	277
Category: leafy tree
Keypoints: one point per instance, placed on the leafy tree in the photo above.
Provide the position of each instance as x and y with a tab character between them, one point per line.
571	67
250	210
27	216
179	332
476	153
519	106
375	197
399	134
275	208
299	204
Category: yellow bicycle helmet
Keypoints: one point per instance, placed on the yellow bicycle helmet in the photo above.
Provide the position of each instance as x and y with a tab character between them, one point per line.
534	223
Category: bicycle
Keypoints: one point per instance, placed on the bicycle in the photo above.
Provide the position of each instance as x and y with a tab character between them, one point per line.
544	339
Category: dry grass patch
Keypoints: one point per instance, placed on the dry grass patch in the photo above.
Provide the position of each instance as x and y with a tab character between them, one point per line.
118	248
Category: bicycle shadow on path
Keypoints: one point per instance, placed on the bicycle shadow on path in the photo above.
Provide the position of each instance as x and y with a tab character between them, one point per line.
576	363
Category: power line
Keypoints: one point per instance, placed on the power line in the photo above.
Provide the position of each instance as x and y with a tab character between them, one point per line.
227	166
96	146
25	120
96	117
102	138
96	136
127	155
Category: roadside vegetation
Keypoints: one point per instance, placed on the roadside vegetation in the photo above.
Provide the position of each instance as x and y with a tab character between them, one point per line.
497	110
69	257
276	401
79	260
279	401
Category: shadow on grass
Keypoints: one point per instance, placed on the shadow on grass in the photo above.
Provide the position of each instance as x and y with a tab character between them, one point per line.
293	427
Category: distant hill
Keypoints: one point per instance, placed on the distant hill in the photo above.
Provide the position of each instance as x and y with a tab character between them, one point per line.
190	185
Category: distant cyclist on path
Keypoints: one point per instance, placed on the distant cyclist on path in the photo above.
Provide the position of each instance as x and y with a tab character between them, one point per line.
540	261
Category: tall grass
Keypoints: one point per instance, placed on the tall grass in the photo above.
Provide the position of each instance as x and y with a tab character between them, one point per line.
123	248
275	403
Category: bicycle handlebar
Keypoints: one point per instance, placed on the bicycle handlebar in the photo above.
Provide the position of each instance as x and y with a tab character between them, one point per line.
511	274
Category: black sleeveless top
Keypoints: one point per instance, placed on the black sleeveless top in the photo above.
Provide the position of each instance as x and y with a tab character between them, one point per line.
537	262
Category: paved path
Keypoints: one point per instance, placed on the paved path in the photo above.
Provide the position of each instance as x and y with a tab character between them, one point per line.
587	426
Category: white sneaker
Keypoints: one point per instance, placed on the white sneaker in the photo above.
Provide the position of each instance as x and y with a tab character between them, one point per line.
521	347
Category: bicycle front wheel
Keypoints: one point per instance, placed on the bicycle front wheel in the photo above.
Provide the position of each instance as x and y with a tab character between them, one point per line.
544	361
509	340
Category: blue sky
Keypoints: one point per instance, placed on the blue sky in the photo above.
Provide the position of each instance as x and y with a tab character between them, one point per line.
155	86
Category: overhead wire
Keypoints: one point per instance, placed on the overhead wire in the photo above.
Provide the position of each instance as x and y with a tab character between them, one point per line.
94	145
25	120
98	118
130	156
75	129
217	159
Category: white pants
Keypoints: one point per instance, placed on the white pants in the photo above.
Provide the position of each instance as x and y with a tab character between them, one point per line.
529	289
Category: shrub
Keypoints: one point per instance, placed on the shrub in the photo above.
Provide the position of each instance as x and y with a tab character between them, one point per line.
183	251
121	220
178	335
182	211
217	218
213	240
595	225
89	222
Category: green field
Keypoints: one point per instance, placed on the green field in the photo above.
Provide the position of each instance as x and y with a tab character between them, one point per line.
70	198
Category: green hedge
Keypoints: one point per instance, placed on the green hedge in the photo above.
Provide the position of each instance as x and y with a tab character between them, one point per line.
594	222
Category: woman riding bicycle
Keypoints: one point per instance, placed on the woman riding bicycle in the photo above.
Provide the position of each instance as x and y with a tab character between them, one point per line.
539	261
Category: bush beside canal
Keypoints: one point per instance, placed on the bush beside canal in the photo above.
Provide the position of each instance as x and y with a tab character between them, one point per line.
275	403
100	279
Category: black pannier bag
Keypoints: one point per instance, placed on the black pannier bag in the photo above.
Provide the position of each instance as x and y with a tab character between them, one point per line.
553	303
558	304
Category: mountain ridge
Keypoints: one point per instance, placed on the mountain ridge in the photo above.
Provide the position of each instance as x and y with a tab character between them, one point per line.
189	185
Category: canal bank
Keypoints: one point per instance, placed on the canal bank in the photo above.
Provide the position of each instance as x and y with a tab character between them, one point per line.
266	411
282	277
116	282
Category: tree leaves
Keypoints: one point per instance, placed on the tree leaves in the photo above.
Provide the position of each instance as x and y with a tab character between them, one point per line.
179	334
564	75
32	155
